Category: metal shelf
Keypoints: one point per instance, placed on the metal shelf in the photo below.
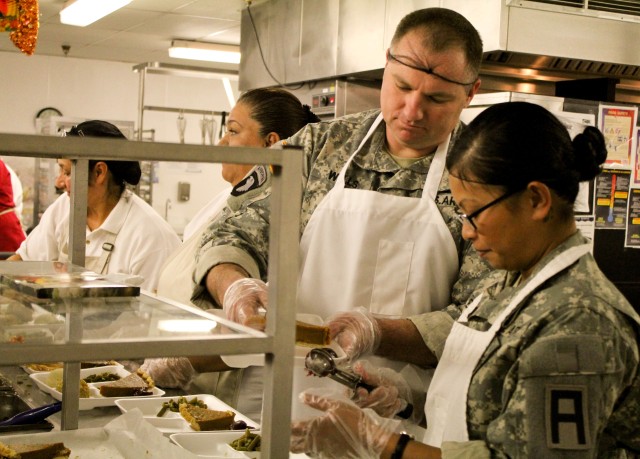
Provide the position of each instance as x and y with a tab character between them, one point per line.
279	340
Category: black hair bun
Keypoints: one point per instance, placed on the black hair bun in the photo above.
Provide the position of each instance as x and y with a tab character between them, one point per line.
590	153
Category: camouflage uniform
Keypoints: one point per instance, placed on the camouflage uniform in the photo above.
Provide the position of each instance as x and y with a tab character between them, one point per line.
567	339
243	237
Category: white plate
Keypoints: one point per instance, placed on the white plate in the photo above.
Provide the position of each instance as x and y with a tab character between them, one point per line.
83	443
95	399
216	445
31	371
173	422
212	444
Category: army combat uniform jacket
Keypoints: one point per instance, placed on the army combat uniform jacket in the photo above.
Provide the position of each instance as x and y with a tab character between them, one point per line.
242	238
560	379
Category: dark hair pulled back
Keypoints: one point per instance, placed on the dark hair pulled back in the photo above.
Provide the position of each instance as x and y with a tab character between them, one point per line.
277	110
514	143
123	172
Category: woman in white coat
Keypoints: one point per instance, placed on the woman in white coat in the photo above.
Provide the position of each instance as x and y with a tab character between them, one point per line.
124	234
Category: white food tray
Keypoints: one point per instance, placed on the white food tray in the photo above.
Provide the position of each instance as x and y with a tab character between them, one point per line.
95	399
216	445
173	422
83	443
30	370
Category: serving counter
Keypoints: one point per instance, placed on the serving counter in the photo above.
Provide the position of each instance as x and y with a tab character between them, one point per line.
92	328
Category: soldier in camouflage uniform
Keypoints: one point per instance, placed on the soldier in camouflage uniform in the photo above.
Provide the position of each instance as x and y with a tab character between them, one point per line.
383	154
378	226
544	361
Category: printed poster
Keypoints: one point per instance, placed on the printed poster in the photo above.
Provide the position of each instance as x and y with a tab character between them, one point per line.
633	221
617	123
636	161
611	195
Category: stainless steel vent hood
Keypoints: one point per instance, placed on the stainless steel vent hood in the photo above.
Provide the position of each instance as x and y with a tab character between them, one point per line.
529	44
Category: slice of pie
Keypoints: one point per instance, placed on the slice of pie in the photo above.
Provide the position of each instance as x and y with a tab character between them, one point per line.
202	419
34	451
312	335
135	384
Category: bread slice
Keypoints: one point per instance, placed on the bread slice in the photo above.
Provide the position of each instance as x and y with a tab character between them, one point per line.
34	451
202	419
135	384
312	335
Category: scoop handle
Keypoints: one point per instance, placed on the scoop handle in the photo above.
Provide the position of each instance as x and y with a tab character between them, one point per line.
33	416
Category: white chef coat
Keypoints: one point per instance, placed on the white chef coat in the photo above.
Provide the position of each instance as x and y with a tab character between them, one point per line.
144	241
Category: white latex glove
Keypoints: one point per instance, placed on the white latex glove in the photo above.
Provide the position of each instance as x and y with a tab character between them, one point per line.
357	332
343	431
243	301
391	396
170	372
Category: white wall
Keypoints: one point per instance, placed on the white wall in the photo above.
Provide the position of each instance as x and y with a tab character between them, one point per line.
94	89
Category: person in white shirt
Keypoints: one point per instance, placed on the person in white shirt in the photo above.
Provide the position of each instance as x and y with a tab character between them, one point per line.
124	234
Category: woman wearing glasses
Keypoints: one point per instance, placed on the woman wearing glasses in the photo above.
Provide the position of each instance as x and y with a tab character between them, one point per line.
124	234
543	362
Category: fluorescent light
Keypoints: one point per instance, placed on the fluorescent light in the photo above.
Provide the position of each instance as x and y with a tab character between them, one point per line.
201	51
227	89
84	12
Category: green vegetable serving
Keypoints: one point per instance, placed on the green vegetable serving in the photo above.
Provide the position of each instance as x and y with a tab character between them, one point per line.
174	405
101	377
248	442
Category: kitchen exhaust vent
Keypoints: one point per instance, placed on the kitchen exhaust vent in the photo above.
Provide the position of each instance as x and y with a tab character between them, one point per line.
624	7
562	65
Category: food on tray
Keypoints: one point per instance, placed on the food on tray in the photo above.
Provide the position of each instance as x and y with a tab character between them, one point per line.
54	365
55	381
202	419
311	335
34	451
136	384
28	334
174	405
101	377
248	442
14	312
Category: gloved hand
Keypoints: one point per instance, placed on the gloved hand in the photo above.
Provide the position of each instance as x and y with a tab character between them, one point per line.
243	300
392	394
343	431
357	332
169	372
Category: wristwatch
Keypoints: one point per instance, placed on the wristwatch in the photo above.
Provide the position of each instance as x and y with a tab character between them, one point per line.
401	445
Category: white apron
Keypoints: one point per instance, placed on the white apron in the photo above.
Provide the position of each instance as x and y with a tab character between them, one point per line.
393	255
446	406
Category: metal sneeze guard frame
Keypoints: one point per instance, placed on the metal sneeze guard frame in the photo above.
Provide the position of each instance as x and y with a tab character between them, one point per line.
279	343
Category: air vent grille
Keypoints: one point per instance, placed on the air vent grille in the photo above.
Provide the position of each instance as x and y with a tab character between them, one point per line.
562	65
630	7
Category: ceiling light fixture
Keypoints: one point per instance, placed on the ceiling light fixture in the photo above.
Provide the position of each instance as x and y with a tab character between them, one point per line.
84	12
201	51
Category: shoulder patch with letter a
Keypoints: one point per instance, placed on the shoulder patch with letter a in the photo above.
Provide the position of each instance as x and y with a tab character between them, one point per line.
567	417
254	179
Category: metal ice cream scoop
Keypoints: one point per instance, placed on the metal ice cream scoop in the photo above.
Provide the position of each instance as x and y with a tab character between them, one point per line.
320	362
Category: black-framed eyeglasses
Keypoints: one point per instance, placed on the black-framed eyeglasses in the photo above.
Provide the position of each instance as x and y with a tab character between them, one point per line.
468	218
405	61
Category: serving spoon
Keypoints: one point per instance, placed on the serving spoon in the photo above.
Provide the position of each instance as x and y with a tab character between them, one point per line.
320	362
